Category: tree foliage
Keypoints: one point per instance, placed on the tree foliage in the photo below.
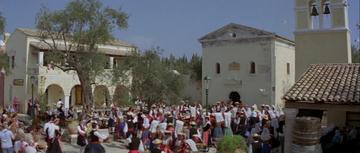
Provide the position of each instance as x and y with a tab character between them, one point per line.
4	58
152	79
73	35
2	23
355	54
184	66
4	61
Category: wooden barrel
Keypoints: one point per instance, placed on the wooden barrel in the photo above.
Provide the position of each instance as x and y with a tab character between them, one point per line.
306	149
306	131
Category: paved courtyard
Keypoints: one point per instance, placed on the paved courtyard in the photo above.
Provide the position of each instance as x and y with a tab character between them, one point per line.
113	147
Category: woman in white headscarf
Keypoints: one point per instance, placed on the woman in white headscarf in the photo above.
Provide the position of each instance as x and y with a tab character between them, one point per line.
227	128
218	133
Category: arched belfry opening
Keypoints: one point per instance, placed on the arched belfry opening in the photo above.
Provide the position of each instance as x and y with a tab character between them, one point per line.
314	14
320	14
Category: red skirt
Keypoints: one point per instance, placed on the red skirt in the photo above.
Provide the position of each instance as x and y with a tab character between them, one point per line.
133	151
206	137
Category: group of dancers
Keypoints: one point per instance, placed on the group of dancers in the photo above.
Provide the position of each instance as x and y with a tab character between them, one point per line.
188	127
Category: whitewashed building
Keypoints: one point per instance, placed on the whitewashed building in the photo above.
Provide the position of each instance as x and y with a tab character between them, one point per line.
257	64
31	75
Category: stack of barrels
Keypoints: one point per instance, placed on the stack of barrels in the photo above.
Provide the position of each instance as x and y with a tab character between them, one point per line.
306	135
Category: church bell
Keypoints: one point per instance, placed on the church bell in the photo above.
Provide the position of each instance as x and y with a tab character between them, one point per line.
314	11
327	9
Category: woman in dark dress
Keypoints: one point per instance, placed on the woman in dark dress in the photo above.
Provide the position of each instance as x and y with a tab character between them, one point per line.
135	144
95	138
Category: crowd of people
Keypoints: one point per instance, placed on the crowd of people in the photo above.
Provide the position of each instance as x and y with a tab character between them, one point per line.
187	127
159	128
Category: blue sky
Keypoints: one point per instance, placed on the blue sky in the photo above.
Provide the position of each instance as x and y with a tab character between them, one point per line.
176	25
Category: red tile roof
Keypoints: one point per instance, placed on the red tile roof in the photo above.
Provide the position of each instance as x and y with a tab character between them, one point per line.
327	83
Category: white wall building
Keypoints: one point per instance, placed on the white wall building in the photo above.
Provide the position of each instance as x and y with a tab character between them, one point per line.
257	64
27	55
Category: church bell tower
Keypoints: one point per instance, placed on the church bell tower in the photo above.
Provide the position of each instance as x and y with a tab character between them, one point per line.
322	33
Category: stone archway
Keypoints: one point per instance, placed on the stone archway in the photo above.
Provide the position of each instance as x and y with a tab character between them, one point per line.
76	96
235	96
101	96
54	93
121	95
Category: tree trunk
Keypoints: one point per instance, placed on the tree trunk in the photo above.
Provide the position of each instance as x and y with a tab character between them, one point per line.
86	91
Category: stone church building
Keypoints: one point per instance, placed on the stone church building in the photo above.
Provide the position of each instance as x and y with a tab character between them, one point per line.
256	64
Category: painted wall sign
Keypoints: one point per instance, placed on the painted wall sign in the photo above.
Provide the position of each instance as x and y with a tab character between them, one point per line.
18	82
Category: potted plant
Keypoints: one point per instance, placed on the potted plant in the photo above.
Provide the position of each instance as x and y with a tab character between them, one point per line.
235	143
72	126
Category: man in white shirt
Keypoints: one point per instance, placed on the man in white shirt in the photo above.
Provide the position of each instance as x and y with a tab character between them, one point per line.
51	121
6	137
51	128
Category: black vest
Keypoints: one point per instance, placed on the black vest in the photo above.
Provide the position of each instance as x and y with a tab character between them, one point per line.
93	137
135	143
193	131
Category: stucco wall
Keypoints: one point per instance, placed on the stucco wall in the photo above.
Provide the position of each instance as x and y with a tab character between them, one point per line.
27	64
248	85
284	53
17	46
192	89
321	46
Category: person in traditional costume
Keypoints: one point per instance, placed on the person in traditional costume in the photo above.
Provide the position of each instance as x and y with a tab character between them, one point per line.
111	123
168	142
193	130
135	144
191	145
95	139
81	139
218	133
234	110
19	145
52	137
242	122
140	121
170	127
145	135
180	144
7	138
218	107
121	128
156	149
255	145
266	139
207	131
30	146
130	125
227	125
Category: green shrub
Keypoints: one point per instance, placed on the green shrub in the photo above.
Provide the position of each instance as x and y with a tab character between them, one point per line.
231	143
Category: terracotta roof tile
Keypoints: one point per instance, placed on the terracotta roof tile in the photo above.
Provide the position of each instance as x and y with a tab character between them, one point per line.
327	83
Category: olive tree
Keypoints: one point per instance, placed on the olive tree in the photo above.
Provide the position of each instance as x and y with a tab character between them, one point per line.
73	35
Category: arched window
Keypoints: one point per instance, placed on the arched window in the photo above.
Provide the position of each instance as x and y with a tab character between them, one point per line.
252	68
288	68
217	68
